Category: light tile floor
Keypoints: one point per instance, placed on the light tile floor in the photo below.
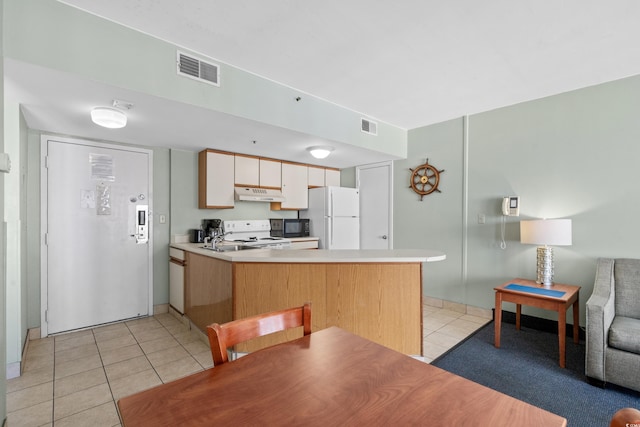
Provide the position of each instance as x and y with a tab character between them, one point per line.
75	379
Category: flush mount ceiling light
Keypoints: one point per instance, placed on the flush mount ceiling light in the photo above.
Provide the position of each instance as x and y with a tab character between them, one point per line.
108	117
320	151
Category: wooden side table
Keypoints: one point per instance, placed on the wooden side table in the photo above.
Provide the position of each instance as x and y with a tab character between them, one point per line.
557	297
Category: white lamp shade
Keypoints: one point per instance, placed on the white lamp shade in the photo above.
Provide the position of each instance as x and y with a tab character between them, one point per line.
553	232
320	151
108	117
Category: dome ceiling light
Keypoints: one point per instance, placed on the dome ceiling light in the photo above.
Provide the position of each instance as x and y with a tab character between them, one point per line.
111	117
320	151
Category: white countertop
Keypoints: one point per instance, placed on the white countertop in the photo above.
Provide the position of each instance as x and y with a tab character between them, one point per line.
317	255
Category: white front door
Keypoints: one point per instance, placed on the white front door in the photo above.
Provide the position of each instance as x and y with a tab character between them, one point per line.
96	258
375	183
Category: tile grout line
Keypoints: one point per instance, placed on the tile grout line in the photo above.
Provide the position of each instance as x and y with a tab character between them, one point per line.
53	420
104	370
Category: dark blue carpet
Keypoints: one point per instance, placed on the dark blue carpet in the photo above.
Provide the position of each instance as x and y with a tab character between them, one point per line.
526	367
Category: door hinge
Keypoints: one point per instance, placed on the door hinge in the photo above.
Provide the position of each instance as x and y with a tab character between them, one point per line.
46	162
46	316
46	239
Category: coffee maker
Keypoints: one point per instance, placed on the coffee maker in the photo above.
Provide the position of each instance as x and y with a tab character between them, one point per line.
212	227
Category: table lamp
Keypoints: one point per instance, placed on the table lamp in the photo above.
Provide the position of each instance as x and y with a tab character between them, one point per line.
546	233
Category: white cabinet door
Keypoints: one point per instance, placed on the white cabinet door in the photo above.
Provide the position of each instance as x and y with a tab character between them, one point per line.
332	177
294	186
176	284
316	176
247	171
215	180
270	173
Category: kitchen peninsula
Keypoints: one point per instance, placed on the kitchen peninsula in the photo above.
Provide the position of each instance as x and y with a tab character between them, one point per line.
376	294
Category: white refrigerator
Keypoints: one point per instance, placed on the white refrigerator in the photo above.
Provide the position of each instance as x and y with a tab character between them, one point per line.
334	217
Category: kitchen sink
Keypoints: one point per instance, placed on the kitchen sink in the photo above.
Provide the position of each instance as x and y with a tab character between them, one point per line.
230	248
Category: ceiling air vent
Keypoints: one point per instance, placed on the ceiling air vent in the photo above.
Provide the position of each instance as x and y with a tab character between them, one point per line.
197	69
369	127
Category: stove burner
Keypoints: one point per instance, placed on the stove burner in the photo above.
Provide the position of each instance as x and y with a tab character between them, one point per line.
255	239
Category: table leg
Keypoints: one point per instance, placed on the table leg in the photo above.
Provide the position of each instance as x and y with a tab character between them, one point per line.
518	313
498	319
562	333
576	321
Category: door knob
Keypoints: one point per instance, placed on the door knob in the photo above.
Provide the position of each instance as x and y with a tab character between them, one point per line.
384	237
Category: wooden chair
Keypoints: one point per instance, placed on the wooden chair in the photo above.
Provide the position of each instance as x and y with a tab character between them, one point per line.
231	333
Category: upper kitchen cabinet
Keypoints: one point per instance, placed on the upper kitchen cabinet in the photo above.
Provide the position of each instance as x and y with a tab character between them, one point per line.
332	177
247	173
270	173
323	177
256	172
215	180
316	176
295	184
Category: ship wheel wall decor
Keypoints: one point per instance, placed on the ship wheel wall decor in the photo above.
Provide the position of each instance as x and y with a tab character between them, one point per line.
425	179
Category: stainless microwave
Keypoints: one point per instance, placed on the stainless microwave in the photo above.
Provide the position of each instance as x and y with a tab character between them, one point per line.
289	227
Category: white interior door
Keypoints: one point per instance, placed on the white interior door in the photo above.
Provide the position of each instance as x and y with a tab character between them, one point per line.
98	257
375	183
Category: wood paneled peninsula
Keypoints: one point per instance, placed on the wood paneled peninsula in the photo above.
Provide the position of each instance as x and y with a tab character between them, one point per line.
376	294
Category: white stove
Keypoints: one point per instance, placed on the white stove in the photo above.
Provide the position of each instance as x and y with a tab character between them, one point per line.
255	232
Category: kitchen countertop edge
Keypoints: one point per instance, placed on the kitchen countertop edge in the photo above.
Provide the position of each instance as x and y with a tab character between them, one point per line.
317	255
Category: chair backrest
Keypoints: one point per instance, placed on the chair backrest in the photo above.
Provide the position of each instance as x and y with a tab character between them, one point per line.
627	287
231	333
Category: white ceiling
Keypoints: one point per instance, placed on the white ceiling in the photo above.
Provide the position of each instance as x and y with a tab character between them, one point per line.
408	63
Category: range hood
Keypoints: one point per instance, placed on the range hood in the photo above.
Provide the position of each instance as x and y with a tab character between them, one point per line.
250	194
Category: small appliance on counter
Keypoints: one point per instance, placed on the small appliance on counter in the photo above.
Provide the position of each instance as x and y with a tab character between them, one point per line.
209	228
196	235
212	227
289	227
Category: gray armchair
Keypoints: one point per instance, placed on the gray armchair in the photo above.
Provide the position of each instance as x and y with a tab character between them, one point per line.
613	324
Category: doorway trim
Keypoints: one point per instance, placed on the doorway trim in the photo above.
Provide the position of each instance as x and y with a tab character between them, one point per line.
44	182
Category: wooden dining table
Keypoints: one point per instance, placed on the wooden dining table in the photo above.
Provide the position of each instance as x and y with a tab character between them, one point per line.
329	378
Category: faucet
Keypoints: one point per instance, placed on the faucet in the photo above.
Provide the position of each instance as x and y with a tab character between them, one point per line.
217	239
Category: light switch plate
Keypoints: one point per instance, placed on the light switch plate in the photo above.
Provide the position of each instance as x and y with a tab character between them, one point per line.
5	163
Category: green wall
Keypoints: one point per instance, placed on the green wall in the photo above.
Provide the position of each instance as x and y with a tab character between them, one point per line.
572	155
436	222
15	205
3	343
57	36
